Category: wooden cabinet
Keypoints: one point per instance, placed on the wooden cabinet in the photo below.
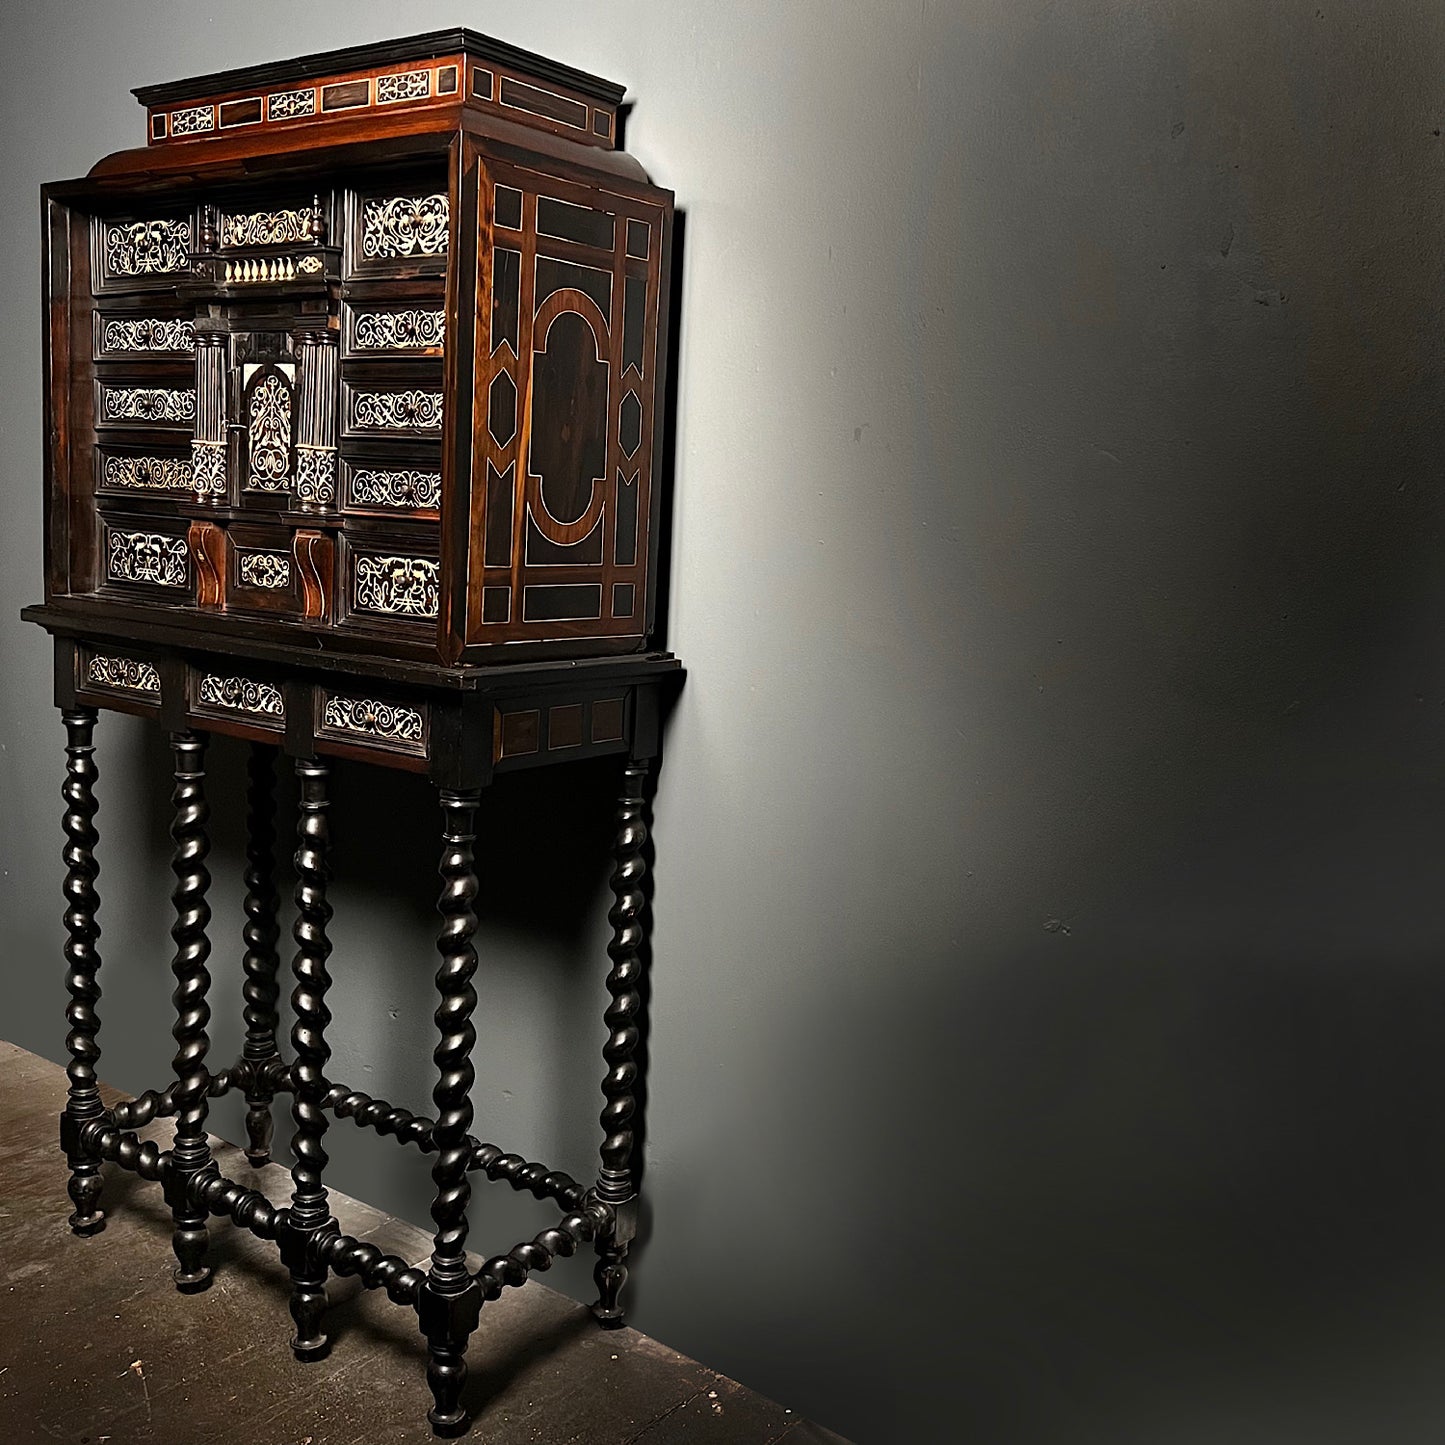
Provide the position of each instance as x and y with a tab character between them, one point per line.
354	390
376	350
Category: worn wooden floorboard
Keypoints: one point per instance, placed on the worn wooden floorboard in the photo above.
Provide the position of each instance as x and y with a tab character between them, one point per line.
98	1348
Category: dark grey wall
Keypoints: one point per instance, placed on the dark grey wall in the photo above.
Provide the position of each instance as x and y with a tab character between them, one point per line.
1048	929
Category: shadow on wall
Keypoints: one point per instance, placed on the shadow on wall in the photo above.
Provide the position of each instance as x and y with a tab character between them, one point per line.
1148	1150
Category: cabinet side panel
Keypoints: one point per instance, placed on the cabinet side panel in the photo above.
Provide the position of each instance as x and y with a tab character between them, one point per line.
457	506
69	401
570	288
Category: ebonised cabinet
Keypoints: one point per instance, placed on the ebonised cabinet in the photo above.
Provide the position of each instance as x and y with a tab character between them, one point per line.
354	389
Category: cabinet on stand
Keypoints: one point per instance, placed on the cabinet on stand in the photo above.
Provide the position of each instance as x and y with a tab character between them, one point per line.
354	386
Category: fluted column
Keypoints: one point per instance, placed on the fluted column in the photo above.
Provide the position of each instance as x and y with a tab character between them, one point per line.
448	1309
82	964
261	991
190	1153
317	397
310	1212
208	446
617	1180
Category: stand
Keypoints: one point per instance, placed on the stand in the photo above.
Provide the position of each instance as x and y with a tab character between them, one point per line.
611	707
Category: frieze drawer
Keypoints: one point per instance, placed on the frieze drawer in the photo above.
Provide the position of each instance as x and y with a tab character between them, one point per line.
366	721
118	678
236	700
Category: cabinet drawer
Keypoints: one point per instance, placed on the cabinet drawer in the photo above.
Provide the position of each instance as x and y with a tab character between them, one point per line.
394	329
395	582
107	676
236	700
402	230
146	402
363	722
148	555
261	571
413	410
388	488
143	471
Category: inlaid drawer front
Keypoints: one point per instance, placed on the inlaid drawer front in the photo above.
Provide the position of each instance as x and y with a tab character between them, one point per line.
395	585
375	487
410	226
146	338
142	473
399	411
142	252
128	676
416	329
232	695
373	721
146	558
142	404
269	571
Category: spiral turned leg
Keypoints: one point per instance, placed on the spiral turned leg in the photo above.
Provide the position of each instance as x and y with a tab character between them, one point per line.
310	1214
617	1181
190	1154
261	933
450	1299
82	965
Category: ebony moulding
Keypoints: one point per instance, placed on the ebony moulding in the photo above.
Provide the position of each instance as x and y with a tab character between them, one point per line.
354	390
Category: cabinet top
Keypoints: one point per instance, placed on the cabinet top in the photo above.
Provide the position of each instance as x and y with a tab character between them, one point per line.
457	66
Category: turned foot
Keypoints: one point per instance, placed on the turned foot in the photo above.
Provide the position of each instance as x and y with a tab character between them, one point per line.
84	1190
446	1373
308	1308
610	1275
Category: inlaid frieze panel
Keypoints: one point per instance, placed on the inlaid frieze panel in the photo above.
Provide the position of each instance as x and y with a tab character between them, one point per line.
230	693
354	718
405	85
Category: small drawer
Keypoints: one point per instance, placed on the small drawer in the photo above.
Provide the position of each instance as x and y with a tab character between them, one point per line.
382	487
110	677
391	581
141	253
143	471
360	721
412	410
403	230
155	402
394	329
236	700
261	570
147	555
150	335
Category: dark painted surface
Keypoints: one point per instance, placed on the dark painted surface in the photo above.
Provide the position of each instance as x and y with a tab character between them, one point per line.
1056	801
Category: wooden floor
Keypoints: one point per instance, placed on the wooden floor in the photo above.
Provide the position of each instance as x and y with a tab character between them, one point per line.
98	1348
